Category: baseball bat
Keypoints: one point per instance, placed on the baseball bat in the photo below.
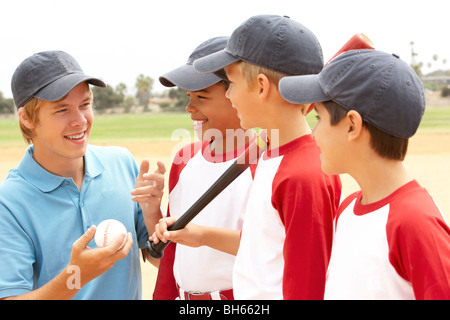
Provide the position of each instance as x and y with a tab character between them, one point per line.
251	154
248	157
357	41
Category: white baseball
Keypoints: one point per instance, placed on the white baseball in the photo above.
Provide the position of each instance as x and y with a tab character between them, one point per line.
108	231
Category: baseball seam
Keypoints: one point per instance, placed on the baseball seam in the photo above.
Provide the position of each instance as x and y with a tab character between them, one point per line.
105	236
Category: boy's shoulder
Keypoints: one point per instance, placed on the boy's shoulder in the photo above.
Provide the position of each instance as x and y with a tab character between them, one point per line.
114	162
411	208
414	208
187	151
300	168
12	184
418	238
181	159
301	157
109	153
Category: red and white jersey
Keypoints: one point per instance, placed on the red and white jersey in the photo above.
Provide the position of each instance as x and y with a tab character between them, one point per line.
396	248
288	226
202	269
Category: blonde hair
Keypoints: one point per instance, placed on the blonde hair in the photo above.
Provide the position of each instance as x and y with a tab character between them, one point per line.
250	72
31	109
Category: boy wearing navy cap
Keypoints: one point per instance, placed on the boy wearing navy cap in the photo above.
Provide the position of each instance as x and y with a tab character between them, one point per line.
204	273
63	187
391	240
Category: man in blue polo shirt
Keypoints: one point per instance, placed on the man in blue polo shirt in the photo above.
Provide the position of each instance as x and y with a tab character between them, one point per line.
63	187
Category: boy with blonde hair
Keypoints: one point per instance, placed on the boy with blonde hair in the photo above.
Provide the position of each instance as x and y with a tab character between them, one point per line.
63	187
286	239
391	240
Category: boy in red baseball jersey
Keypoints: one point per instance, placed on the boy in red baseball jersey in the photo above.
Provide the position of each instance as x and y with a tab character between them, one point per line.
391	240
204	273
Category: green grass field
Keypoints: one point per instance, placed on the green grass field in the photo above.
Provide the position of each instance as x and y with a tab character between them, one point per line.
436	120
138	127
110	128
160	126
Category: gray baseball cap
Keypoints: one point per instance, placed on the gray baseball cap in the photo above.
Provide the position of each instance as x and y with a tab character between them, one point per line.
186	77
385	90
270	41
49	76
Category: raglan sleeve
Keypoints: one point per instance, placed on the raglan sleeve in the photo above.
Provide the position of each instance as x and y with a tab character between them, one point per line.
419	247
166	287
307	208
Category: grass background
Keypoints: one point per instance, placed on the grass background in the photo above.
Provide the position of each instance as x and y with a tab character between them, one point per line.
160	126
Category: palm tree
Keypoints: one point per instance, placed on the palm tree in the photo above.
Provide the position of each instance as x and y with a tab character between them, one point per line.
144	86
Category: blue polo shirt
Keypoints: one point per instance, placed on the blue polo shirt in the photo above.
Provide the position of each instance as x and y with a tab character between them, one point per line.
42	215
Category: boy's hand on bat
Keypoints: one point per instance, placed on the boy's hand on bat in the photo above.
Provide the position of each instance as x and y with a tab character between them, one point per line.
191	235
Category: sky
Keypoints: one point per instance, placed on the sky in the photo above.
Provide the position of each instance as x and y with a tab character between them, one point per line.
118	40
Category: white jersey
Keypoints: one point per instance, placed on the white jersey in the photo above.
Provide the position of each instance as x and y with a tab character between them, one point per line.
396	248
288	227
203	269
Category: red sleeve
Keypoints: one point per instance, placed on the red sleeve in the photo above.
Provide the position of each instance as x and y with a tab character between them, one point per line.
165	287
307	201
419	246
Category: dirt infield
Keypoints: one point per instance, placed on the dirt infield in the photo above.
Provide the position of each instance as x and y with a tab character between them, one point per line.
428	160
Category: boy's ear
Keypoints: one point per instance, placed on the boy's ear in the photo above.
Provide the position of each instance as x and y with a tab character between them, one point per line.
23	118
263	86
354	124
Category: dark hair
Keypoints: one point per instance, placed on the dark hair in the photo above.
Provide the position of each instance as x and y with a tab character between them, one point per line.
384	144
224	83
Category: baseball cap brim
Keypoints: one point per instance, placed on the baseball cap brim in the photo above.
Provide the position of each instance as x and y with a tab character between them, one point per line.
214	62
302	89
59	88
188	79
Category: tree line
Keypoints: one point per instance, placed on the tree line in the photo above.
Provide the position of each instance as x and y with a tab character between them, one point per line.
118	97
6	105
176	99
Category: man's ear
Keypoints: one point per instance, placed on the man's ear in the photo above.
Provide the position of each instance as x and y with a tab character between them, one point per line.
23	118
354	124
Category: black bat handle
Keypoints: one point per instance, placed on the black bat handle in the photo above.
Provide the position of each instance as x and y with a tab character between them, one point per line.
156	250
